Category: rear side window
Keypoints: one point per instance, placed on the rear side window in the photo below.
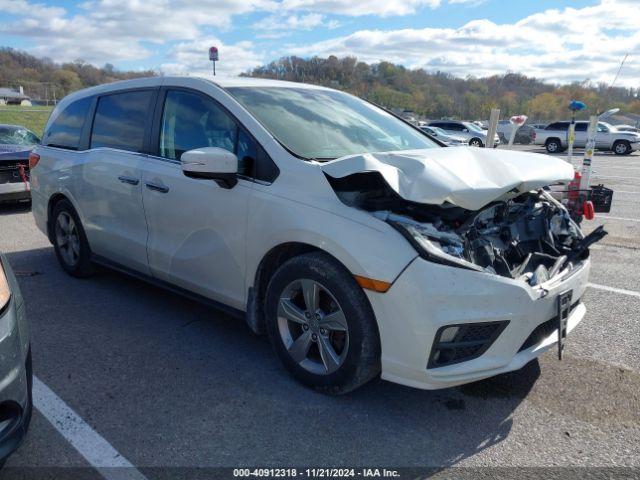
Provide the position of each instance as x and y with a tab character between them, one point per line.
456	127
558	126
120	120
66	129
581	127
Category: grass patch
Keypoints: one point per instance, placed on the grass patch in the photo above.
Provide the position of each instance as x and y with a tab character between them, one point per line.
34	118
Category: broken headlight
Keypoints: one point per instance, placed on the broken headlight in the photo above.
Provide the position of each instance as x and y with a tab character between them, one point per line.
440	247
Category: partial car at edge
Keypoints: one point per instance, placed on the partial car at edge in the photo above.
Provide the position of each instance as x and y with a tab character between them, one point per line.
15	368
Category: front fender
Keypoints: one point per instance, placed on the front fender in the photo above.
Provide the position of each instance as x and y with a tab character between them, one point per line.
378	252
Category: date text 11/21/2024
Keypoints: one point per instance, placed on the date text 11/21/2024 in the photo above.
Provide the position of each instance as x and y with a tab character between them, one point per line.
316	472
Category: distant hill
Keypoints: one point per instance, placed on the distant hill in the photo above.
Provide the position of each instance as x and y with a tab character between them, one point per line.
44	80
438	94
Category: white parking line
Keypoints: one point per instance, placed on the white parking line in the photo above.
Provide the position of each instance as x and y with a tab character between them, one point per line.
607	217
93	447
614	290
627	192
615	176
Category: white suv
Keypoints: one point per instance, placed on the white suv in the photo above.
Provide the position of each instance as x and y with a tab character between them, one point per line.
359	245
472	133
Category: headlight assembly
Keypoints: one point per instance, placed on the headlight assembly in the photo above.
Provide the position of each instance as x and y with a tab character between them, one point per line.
433	245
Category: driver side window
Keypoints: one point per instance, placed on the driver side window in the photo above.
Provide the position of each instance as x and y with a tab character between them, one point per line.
193	121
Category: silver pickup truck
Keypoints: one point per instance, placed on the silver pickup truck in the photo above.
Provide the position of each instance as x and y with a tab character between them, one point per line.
555	138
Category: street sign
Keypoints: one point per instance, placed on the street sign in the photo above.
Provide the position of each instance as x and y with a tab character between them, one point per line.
213	54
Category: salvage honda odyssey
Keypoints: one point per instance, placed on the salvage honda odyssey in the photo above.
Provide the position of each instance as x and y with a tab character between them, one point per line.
356	242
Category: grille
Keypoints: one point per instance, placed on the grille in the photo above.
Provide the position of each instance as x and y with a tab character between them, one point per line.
543	330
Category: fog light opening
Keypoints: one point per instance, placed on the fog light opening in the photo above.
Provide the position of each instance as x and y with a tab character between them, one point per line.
463	342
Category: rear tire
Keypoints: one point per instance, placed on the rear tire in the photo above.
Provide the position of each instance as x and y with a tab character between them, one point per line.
622	147
321	324
69	241
553	145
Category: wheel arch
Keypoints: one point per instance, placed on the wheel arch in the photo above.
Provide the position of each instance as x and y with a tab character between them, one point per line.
265	269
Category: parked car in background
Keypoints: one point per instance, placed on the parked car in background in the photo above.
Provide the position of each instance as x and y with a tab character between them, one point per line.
16	374
15	144
14	138
476	136
555	137
524	135
14	176
482	124
448	139
539	126
359	245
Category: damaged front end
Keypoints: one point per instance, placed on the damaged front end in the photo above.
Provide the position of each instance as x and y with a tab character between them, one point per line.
529	236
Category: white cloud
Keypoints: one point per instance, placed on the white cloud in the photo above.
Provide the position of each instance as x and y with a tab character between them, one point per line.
557	45
285	22
383	8
113	30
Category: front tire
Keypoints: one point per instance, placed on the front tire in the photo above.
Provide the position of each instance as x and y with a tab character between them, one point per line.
622	147
321	324
69	241
475	142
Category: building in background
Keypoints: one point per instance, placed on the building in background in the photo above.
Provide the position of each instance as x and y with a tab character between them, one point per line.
8	96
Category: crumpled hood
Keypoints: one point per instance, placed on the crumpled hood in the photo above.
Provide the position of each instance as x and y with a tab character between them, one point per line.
464	176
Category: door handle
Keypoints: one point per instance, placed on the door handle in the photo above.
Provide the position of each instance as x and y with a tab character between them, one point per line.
157	188
128	180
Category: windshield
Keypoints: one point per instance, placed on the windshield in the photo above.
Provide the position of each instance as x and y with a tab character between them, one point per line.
17	136
327	124
473	127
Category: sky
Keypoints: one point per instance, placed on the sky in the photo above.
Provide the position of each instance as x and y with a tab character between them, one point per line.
560	41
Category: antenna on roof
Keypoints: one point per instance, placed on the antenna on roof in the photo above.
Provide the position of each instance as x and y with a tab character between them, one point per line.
619	70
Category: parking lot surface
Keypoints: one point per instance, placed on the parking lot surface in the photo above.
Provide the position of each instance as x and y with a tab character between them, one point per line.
167	382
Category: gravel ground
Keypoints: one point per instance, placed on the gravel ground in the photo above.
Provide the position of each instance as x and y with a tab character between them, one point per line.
172	383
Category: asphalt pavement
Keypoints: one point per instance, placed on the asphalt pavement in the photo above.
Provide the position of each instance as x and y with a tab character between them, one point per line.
167	382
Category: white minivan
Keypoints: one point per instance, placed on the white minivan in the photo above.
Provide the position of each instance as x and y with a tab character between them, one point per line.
359	245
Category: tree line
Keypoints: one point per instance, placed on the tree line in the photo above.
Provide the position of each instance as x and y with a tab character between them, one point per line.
441	95
43	79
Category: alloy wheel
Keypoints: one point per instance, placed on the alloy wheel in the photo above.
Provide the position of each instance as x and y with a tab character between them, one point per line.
67	239
313	327
621	148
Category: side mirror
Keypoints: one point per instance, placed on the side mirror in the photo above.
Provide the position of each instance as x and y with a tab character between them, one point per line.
211	163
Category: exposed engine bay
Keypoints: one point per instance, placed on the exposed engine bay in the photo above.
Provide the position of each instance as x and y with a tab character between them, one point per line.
527	236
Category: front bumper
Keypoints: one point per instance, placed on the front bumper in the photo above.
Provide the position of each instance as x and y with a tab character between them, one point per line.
428	296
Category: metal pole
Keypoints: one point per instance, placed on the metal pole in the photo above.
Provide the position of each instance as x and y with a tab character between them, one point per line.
585	180
493	126
571	136
512	137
